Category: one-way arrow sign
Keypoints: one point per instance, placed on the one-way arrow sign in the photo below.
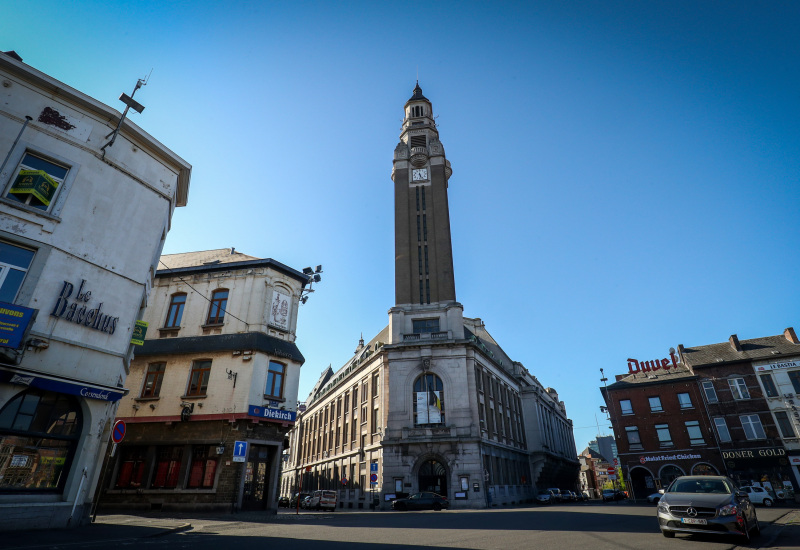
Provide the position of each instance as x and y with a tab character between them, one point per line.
239	451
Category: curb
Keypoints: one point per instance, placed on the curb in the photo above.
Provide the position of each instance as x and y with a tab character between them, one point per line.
172	530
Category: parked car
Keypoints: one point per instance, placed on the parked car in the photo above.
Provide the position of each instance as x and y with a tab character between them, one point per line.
305	501
585	495
283	502
322	500
655	497
611	494
758	495
421	501
557	497
706	504
296	497
544	497
568	496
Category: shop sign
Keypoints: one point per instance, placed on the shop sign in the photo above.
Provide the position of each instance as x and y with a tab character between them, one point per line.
779	365
659	458
77	311
14	322
269	413
635	365
139	332
754	453
37	183
60	385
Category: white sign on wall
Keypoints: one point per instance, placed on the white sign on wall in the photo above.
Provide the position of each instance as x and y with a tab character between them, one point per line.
428	411
279	310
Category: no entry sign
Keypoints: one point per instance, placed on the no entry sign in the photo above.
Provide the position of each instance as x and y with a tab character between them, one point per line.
612	471
118	432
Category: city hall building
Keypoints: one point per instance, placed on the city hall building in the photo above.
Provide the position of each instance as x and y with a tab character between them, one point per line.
432	402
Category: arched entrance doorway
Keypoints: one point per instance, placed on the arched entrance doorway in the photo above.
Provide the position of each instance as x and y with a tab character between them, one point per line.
433	477
641	482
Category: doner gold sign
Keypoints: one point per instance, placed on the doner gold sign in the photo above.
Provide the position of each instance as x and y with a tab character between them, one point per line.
37	183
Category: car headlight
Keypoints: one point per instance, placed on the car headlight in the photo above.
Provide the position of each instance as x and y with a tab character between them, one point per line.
663	508
728	510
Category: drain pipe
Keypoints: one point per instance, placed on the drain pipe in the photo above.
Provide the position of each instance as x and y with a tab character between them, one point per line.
27	120
78	497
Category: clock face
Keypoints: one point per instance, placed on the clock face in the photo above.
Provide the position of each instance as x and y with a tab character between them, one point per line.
420	174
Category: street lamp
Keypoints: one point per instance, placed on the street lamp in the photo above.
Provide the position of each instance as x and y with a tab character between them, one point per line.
312	276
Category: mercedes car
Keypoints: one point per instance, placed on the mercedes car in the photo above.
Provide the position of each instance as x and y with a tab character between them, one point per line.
706	504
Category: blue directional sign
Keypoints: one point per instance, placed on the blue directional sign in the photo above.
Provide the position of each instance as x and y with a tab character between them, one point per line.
239	451
373	467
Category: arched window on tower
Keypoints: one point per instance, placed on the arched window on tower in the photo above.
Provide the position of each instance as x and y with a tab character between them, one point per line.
428	400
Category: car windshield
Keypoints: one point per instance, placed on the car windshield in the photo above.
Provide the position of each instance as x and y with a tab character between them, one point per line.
700	486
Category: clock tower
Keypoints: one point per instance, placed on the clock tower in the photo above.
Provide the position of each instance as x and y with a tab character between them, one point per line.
423	252
425	290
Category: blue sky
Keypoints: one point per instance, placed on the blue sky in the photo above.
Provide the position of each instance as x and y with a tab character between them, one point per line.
625	173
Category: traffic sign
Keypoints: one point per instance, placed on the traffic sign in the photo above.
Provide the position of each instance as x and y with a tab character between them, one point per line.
118	432
239	451
612	471
373	467
373	479
616	462
344	481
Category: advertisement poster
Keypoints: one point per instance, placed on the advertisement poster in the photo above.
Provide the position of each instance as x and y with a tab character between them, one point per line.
428	411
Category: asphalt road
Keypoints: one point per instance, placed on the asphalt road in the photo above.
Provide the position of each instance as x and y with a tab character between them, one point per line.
581	525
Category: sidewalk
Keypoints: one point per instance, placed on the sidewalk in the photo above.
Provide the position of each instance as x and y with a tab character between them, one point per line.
784	533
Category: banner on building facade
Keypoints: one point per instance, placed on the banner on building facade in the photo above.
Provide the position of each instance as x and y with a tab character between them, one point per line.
429	407
14	323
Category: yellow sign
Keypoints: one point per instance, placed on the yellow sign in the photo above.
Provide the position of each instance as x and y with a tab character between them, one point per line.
37	183
139	332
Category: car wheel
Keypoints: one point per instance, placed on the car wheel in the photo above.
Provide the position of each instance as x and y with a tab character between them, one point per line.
437	506
767	502
668	534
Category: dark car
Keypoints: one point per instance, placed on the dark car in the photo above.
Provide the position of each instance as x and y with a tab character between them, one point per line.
421	501
706	504
611	494
283	502
302	496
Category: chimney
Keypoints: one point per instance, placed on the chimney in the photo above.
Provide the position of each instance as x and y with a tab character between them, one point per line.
233	251
620	376
735	343
790	335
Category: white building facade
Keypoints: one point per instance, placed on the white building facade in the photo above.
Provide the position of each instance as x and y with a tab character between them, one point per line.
213	388
81	230
780	382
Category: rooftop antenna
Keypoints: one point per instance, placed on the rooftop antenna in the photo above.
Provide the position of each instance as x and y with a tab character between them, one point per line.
129	102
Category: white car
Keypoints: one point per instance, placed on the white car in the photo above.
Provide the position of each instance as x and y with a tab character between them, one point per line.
655	497
758	495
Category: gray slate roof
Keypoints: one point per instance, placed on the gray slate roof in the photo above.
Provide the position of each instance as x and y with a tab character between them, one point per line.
204	257
768	347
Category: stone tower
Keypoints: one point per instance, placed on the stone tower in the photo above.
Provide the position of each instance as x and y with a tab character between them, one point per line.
423	253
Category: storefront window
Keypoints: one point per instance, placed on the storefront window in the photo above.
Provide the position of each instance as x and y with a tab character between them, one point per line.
131	467
203	468
39	431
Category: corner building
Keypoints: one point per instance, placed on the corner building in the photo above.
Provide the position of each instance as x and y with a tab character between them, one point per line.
213	388
431	403
78	252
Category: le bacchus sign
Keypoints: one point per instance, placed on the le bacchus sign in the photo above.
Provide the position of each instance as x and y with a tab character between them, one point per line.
79	311
634	365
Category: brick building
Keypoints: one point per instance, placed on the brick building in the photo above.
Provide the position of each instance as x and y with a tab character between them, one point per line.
749	438
662	431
